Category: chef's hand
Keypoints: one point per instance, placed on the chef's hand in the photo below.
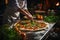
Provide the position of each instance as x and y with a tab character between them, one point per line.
29	16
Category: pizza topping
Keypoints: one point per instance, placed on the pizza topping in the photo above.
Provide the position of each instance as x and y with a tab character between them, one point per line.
32	25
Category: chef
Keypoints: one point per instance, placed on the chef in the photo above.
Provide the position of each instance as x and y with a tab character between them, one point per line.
13	10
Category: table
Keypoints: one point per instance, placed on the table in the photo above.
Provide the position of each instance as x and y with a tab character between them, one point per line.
48	30
38	35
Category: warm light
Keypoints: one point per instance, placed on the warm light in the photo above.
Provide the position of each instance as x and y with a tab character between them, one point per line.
57	4
6	2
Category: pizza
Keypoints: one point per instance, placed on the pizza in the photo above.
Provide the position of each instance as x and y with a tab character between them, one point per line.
31	25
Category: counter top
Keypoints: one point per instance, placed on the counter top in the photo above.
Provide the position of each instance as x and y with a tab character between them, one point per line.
38	35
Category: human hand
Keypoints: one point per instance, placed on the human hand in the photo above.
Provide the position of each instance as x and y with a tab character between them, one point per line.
29	16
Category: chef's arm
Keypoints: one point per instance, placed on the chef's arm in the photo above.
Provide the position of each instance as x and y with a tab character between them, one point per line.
26	13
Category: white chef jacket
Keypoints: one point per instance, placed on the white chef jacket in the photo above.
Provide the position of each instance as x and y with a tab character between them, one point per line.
19	4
